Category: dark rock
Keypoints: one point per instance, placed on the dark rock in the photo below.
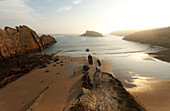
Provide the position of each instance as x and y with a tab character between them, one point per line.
23	64
90	60
27	69
42	66
15	70
55	59
99	63
54	65
47	71
47	40
61	65
92	34
87	50
87	81
86	68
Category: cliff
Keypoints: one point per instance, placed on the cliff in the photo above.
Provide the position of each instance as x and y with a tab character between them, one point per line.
160	37
18	41
92	34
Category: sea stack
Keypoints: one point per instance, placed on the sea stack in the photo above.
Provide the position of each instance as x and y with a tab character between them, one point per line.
92	34
47	40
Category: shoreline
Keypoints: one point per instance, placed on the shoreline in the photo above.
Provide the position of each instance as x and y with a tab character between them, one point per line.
33	86
53	87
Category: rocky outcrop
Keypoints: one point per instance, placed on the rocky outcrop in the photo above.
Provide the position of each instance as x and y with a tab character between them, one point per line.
47	40
14	42
105	94
160	37
90	60
16	67
92	34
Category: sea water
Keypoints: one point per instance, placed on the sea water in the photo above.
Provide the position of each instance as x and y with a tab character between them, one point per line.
129	59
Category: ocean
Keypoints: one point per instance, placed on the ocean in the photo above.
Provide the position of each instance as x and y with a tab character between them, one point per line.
129	60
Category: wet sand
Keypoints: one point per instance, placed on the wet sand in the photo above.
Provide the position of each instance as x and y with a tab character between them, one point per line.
153	94
50	88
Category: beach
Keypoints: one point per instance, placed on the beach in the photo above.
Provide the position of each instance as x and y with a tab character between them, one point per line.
153	94
55	86
51	88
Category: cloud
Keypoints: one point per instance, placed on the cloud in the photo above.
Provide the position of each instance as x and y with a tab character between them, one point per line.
75	2
65	8
15	12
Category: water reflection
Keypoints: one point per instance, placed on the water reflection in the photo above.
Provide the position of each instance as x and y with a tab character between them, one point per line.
128	59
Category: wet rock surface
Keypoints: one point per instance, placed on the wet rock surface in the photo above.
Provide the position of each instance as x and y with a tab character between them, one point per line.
87	81
90	60
87	50
14	68
162	55
107	94
86	68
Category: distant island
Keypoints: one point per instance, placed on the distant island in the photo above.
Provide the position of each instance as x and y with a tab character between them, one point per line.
159	36
124	32
92	34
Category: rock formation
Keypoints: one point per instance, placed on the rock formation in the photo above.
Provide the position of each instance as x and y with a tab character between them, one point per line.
47	40
19	41
160	37
103	92
92	34
90	60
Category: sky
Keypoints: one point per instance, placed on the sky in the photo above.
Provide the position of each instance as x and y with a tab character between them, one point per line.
77	16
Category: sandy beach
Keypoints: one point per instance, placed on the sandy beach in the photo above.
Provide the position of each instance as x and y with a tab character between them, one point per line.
153	94
52	88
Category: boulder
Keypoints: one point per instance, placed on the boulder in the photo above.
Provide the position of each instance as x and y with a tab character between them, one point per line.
99	63
87	50
92	34
86	68
47	40
90	60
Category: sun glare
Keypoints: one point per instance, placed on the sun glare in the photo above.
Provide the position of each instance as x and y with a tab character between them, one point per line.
138	14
